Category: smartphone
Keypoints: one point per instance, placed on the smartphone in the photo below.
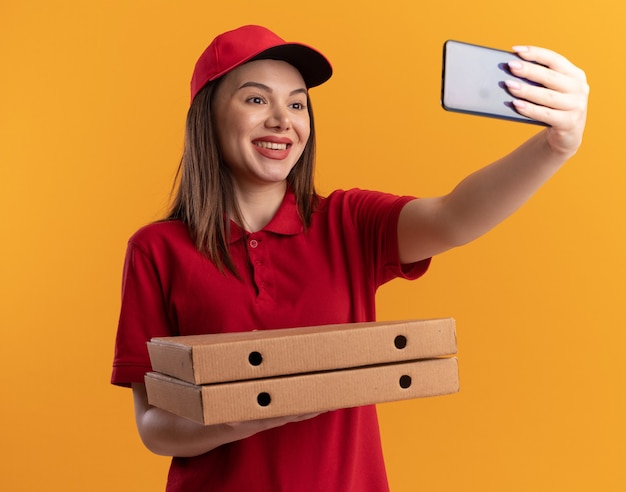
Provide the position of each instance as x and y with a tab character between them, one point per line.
473	78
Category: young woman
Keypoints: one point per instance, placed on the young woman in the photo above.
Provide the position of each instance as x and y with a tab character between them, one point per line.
250	245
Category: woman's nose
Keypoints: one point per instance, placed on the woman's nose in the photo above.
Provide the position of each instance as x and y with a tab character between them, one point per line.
278	119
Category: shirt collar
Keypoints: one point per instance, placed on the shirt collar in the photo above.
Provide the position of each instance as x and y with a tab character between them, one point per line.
286	221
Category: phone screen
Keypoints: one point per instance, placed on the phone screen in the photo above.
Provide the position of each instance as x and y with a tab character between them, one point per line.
473	81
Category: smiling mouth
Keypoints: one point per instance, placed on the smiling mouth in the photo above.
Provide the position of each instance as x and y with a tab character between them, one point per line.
271	145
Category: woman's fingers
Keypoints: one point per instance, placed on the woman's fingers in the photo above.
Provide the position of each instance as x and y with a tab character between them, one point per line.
550	59
559	99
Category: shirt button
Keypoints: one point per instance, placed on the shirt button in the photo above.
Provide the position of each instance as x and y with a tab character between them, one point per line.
254	243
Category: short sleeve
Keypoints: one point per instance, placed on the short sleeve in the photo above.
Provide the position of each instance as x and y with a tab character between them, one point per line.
143	315
376	218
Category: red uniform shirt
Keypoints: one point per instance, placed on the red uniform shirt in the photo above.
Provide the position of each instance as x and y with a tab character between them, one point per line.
290	277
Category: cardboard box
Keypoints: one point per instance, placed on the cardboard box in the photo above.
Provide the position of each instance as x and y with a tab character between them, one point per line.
303	393
202	359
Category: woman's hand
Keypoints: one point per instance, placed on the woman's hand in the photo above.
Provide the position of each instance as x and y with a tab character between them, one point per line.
560	103
170	435
251	427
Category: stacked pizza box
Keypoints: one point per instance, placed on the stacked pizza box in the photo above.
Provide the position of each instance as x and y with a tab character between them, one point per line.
233	377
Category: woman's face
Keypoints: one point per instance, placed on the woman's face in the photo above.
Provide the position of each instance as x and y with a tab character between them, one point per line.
262	122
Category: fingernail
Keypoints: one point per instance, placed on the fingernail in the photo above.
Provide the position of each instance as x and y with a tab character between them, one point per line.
519	103
514	65
520	49
511	84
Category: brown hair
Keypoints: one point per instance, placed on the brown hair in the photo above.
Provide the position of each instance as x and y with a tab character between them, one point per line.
205	194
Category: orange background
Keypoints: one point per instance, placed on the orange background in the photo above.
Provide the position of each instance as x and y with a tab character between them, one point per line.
93	97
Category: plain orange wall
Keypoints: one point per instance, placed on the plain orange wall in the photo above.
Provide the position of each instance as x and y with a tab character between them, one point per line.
93	97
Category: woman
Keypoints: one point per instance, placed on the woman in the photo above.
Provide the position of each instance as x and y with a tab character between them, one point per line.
250	245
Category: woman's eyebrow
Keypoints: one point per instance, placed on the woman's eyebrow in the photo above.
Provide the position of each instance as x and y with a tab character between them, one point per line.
266	88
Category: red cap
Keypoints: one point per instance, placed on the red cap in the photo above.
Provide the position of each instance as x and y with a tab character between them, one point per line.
234	48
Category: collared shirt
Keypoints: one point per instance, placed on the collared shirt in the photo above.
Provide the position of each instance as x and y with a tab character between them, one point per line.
290	276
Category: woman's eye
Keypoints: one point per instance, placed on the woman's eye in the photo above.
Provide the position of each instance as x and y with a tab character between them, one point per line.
298	106
256	100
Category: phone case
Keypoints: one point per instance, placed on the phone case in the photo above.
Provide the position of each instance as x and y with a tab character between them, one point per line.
473	81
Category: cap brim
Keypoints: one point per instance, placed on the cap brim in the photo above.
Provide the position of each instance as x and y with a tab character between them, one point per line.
312	65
